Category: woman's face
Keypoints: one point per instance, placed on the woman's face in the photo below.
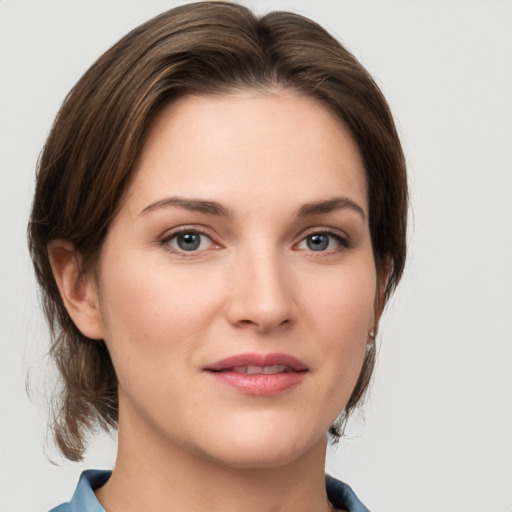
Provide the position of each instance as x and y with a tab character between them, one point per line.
237	282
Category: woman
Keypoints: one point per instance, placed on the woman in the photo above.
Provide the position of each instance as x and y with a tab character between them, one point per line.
219	220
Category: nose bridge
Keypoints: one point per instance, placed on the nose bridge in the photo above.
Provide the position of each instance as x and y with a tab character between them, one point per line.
262	292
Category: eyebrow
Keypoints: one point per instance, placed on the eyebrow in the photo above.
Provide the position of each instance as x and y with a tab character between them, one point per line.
194	205
329	205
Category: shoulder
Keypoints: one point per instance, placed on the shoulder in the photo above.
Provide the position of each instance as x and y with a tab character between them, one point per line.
84	499
342	496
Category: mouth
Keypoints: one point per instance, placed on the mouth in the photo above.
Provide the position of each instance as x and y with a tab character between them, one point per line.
253	363
261	370
259	374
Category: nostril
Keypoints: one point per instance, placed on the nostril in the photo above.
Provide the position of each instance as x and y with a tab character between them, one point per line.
247	322
251	324
263	327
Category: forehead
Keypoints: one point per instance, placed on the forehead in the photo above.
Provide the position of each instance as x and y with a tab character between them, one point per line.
248	146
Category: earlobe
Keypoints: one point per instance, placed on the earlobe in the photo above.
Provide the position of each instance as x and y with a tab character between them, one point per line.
78	291
380	294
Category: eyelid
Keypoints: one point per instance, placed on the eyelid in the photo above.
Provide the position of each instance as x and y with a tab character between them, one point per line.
338	234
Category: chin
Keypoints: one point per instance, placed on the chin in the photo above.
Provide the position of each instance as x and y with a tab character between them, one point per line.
264	448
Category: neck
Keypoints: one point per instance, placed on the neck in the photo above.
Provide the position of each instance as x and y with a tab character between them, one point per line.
155	474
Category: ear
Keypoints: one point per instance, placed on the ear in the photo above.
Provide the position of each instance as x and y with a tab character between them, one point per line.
382	283
78	291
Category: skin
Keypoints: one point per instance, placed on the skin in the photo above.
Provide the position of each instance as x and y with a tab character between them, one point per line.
186	441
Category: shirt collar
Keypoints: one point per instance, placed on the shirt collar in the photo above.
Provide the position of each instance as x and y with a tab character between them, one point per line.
84	497
339	493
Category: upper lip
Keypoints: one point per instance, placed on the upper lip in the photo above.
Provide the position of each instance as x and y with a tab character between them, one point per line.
255	359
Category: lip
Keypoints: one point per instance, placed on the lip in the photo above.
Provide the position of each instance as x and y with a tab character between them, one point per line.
254	359
259	384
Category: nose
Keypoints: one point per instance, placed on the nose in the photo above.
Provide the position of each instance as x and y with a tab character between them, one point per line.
261	297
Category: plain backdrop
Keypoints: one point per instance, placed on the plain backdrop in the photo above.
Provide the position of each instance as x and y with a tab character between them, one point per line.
436	433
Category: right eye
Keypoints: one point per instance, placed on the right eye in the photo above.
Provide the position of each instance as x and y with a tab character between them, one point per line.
190	241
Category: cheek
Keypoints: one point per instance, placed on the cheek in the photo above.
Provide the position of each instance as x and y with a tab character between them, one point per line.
342	301
150	311
340	311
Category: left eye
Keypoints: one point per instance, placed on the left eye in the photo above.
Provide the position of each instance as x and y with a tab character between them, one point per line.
321	242
190	241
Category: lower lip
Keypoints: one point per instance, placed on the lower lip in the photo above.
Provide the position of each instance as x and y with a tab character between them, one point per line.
260	384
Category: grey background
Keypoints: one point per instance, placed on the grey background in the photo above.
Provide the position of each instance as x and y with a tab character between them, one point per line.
436	434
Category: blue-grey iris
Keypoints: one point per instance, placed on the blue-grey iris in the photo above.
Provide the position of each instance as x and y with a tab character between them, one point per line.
318	242
188	241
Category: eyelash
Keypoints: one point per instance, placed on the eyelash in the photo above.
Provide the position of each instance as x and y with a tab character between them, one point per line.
343	241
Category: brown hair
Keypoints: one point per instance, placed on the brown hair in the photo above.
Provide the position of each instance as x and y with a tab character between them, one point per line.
87	161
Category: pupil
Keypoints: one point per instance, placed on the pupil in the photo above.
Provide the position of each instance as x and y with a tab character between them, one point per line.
188	241
318	242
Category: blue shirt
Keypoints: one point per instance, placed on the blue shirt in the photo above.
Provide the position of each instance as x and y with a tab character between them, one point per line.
84	500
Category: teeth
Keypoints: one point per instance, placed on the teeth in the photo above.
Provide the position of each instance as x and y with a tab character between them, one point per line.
277	368
259	370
